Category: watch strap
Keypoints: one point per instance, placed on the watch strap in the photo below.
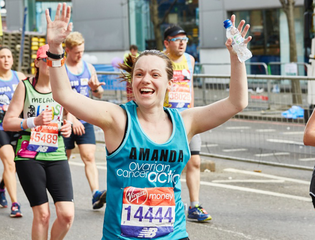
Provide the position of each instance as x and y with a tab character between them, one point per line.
55	56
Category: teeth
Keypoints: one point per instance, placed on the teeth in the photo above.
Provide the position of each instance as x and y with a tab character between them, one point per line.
146	90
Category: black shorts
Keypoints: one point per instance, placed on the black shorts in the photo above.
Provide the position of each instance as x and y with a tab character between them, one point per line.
312	188
87	138
5	138
36	176
8	138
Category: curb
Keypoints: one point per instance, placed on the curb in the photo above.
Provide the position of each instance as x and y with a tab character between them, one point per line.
268	117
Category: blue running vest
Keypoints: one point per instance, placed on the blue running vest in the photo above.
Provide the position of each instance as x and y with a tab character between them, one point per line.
143	183
79	82
7	88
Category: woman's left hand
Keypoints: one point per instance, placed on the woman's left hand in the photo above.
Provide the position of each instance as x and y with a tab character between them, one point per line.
66	128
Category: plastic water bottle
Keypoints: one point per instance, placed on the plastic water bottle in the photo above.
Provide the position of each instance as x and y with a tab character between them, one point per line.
238	44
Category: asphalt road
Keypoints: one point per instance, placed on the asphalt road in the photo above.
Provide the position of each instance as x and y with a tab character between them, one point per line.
246	201
275	142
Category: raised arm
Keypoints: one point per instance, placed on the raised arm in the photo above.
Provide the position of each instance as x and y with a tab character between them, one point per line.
200	119
110	117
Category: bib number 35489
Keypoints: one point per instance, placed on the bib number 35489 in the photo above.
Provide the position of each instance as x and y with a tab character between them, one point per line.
148	212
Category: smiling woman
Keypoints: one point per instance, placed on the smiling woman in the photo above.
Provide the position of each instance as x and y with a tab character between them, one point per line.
144	124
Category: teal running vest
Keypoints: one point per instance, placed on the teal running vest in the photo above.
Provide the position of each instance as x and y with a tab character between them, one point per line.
34	103
143	183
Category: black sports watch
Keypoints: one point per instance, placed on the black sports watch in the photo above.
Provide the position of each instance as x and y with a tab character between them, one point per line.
55	56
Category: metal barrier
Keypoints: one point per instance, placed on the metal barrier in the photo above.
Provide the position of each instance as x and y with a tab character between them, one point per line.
201	65
280	64
261	130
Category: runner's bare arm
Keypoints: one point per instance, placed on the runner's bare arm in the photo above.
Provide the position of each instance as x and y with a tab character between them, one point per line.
108	116
309	132
12	120
95	84
201	119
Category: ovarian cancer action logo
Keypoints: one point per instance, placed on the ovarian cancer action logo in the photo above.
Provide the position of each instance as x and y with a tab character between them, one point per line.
136	196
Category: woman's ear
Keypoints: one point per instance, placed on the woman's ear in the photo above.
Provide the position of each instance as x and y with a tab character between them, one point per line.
36	61
170	83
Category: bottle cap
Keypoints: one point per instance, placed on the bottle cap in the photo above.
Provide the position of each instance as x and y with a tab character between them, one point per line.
227	23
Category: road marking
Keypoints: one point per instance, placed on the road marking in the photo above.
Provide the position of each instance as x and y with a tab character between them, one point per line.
266	175
284	141
265	130
272	154
209	145
306	159
248	181
237	128
235	150
213	184
292	133
252	190
237	235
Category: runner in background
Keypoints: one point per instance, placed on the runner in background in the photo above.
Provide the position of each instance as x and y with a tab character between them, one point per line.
134	54
181	97
147	144
309	140
9	80
41	161
83	78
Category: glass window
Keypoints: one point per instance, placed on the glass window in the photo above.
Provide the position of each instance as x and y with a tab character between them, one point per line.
264	29
184	13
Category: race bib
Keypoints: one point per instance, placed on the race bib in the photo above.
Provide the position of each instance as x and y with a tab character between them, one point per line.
44	138
179	95
148	212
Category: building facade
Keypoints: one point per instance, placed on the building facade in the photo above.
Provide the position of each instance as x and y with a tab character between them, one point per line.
110	27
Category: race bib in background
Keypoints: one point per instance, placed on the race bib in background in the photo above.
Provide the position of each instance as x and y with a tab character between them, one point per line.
44	138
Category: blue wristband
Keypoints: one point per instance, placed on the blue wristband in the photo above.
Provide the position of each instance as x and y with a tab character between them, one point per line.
22	125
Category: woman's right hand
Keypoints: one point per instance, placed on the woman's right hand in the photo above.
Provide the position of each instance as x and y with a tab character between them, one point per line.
44	118
59	29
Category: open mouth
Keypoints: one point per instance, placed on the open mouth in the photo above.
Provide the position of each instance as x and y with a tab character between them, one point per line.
146	91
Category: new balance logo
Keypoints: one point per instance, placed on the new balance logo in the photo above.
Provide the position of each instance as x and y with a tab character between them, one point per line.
148	233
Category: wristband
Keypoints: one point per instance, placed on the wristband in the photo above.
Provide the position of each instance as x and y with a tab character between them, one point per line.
22	124
30	122
55	56
55	63
95	91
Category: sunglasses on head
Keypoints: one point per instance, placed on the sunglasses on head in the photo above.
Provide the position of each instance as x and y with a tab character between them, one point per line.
44	59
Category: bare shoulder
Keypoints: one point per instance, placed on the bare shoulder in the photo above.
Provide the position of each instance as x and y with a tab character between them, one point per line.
21	75
91	67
